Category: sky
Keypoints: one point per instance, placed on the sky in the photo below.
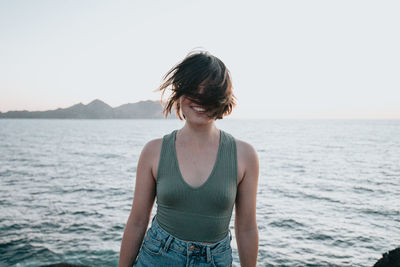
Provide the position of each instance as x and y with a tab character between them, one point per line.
288	59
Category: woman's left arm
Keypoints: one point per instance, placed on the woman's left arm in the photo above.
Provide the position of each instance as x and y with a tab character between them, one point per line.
245	206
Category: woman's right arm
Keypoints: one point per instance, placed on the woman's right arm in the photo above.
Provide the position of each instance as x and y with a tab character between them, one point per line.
143	200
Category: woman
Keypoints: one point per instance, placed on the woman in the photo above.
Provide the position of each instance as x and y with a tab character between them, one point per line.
197	174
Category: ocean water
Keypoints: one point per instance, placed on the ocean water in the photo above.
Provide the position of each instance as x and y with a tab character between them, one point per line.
328	190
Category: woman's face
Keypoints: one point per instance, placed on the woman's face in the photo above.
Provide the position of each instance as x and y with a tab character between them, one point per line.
193	112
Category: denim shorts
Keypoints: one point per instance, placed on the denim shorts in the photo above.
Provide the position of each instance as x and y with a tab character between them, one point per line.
159	248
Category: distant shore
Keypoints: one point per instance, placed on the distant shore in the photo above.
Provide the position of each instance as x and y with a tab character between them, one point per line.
96	109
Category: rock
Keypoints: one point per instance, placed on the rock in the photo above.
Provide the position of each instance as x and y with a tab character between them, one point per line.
389	259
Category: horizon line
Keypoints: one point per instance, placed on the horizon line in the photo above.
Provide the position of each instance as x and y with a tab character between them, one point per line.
376	117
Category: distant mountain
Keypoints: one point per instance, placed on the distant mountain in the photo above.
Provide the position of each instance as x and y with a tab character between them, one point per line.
96	109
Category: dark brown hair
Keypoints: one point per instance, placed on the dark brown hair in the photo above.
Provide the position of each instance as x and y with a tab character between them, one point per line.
200	70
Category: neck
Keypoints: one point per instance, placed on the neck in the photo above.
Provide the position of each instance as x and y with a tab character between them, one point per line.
199	134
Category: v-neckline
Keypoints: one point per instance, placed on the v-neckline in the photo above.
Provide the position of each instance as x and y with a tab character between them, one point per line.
212	171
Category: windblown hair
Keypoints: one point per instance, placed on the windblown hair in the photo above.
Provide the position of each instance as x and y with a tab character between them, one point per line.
204	80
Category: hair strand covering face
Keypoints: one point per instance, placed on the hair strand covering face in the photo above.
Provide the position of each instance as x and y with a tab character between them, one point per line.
203	79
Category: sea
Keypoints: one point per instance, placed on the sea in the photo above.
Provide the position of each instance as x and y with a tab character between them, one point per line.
328	190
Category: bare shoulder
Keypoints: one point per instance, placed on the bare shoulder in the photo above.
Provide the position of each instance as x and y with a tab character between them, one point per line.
247	159
153	146
151	155
245	149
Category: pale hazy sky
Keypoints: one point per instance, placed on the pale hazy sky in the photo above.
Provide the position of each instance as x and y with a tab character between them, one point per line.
288	59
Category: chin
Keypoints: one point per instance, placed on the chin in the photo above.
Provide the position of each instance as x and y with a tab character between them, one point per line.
199	119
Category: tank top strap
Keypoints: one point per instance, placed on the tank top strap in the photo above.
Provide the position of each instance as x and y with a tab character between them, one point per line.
227	169
166	161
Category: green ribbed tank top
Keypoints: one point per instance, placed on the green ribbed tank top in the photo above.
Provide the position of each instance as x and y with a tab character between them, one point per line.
203	213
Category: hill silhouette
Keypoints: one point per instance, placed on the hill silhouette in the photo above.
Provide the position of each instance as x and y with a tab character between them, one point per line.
96	109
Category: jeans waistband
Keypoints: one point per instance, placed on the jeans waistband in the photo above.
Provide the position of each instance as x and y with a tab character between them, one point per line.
169	241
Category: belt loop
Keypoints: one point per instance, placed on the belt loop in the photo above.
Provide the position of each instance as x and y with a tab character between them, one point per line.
168	243
208	254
